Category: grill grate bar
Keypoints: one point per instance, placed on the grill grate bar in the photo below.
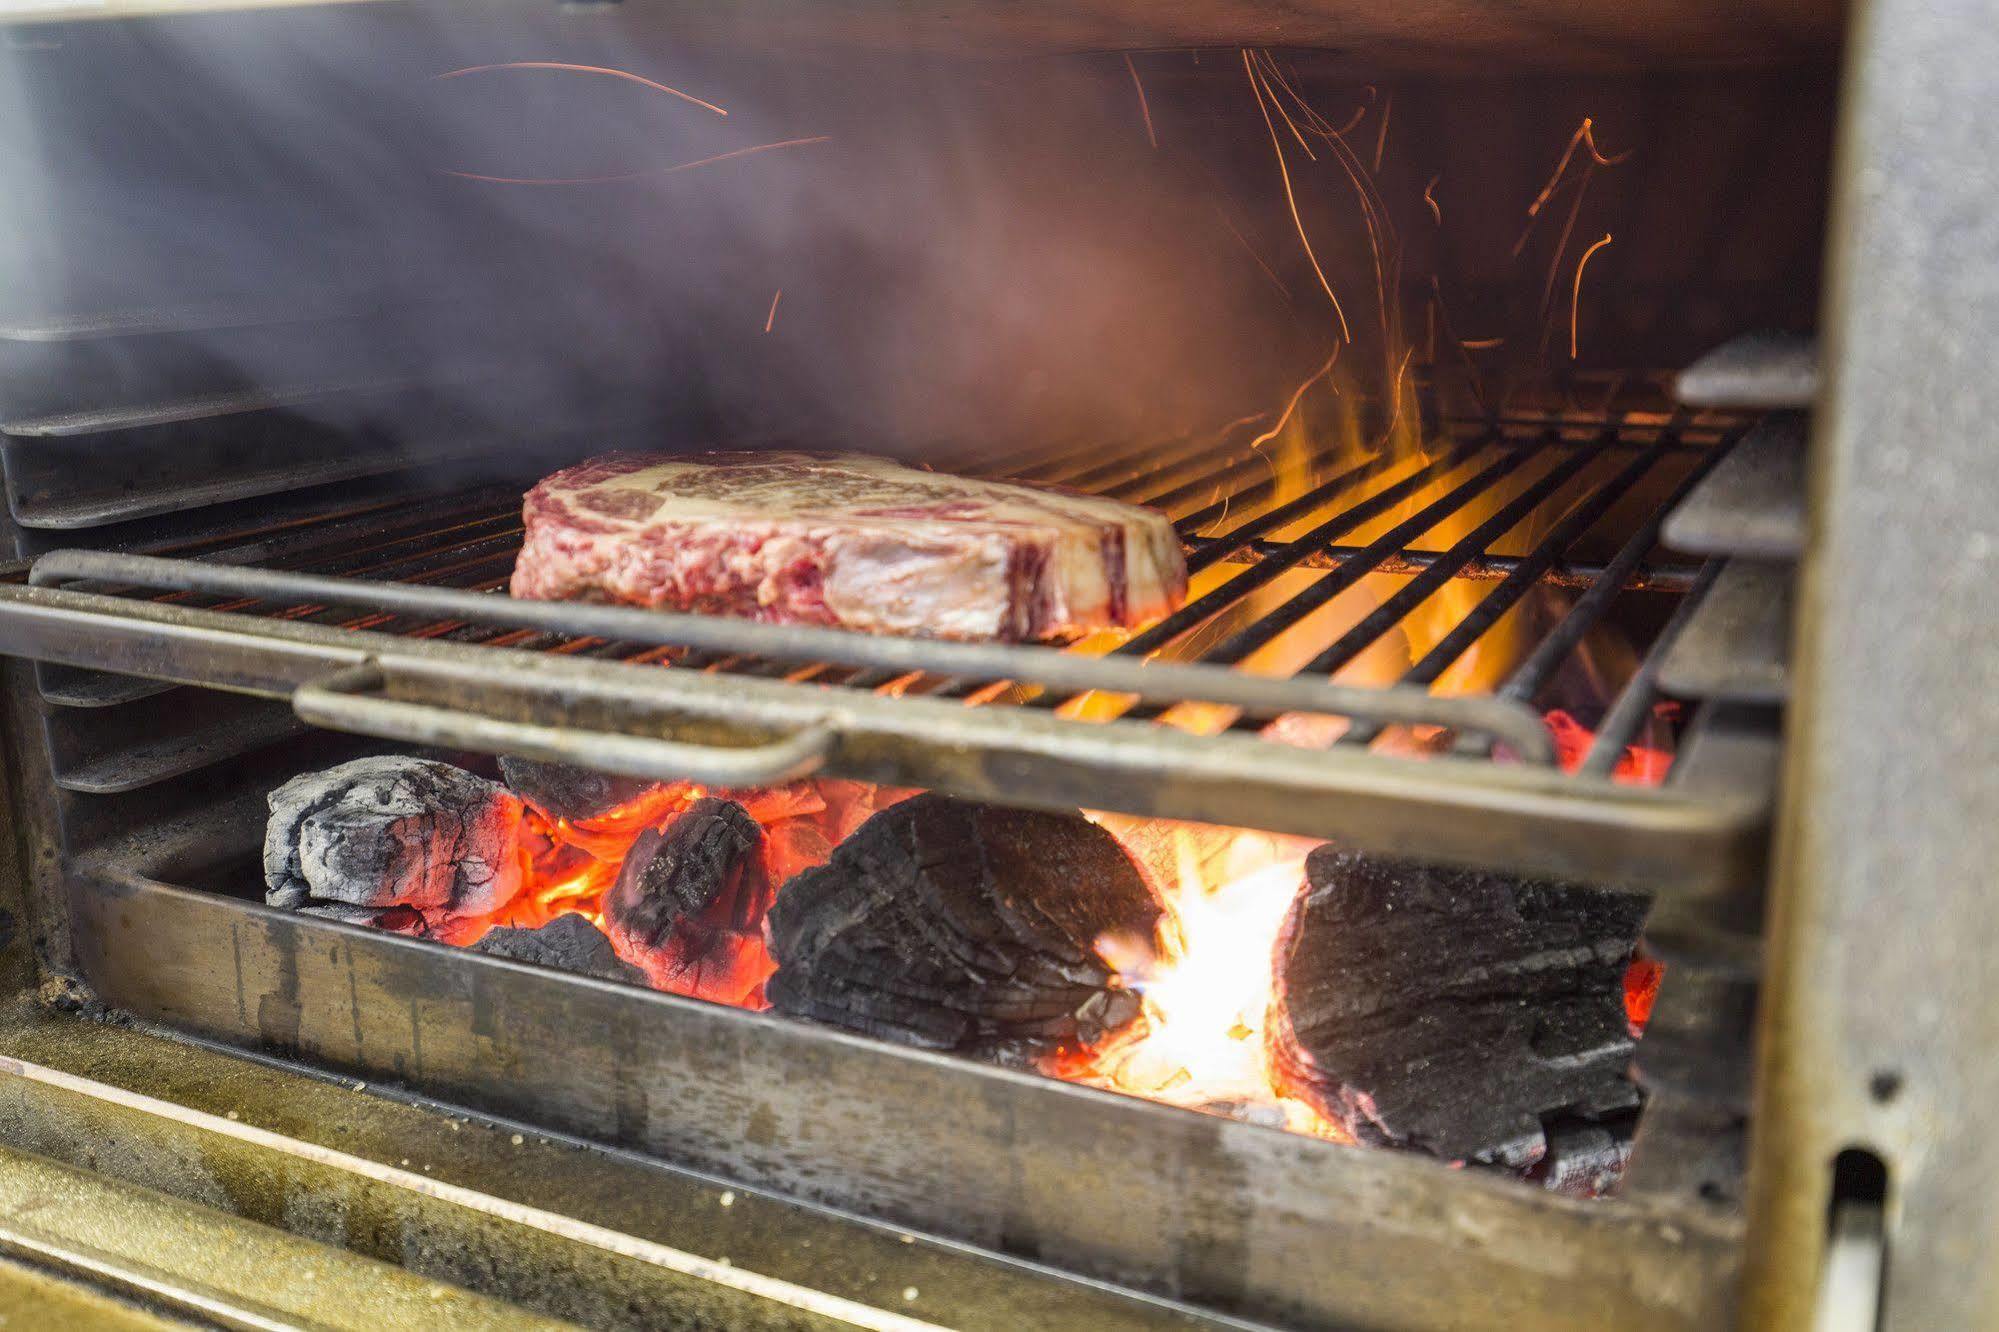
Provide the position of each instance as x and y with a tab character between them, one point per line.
1207	606
1269	626
1137	467
1527	679
1392	612
1487	568
1242	536
1501	599
1063	460
1417	590
1627	714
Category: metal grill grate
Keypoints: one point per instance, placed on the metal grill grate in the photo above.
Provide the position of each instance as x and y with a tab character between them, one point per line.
1315	600
1266	562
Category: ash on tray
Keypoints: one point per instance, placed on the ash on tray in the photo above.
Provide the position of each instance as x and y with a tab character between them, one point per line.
404	844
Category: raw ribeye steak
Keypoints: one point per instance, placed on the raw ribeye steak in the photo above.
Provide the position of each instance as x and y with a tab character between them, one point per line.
846	540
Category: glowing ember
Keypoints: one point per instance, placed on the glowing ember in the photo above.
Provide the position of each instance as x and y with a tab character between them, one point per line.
1639	765
1641	988
574	863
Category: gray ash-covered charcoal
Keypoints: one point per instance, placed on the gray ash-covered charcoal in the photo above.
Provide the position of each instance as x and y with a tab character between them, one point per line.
955	925
1458	1012
1585	1160
395	832
562	791
567	943
689	903
389	920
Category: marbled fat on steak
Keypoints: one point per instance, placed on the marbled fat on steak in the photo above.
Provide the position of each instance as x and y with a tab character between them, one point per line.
846	540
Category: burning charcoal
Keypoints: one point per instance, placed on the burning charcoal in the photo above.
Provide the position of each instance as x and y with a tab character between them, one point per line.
953	925
689	903
564	792
1458	1012
1585	1160
352	842
567	943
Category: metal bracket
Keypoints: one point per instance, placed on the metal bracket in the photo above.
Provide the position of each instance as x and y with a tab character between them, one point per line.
352	699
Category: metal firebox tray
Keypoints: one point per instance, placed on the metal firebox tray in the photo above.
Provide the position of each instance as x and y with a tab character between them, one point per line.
1231	1217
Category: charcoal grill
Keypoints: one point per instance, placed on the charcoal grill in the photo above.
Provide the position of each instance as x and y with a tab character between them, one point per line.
221	584
365	624
382	621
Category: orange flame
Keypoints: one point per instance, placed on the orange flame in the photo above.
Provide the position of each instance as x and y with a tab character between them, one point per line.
1207	981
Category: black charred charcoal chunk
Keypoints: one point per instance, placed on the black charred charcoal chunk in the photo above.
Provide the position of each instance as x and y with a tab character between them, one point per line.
960	926
562	791
713	849
1454	1011
394	832
689	903
567	943
1586	1160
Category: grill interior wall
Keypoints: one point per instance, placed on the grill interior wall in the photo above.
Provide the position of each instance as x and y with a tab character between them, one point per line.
1003	224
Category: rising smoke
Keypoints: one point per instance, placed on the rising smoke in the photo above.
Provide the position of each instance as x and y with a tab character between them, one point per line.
966	249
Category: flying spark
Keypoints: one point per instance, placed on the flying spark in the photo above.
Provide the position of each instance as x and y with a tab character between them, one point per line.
1290	198
1576	294
602	70
1297	396
1144	109
1584	137
731	155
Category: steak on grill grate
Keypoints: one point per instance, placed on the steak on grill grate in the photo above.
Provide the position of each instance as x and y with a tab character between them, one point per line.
846	540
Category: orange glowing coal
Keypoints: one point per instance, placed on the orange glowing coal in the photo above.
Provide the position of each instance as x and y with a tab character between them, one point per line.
1643	764
573	863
